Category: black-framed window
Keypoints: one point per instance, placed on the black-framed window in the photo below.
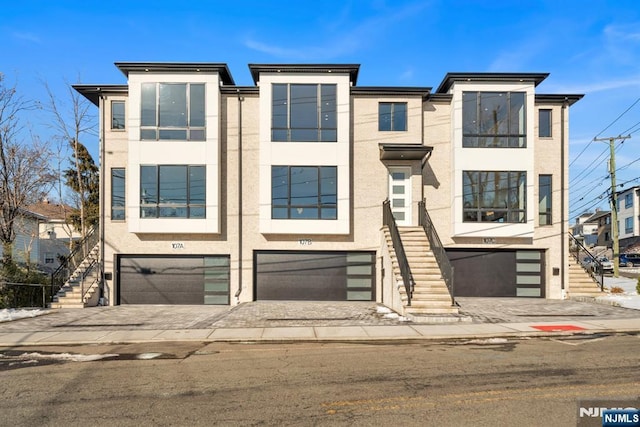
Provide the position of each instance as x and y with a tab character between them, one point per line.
392	116
118	198
173	191
494	119
304	113
628	200
173	111
544	123
117	115
304	192
628	225
494	196
544	200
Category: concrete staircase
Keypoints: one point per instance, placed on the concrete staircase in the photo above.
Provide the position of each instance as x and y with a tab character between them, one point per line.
581	284
430	293
81	289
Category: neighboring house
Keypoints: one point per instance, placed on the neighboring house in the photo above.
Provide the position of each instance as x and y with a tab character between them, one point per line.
219	194
587	231
26	246
601	222
628	217
55	233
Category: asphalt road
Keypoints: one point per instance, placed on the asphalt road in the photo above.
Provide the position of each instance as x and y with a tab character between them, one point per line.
533	382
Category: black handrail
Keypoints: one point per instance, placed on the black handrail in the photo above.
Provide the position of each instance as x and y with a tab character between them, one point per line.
80	251
403	263
593	258
446	269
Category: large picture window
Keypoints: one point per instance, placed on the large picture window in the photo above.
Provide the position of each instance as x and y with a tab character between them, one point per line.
170	191
392	116
172	111
494	119
304	192
304	113
117	194
494	196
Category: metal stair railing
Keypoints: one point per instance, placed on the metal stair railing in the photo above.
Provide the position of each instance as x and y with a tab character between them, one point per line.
446	269
403	263
596	273
80	252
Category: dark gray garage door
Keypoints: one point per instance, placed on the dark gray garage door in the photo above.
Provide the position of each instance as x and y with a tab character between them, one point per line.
314	276
498	273
193	280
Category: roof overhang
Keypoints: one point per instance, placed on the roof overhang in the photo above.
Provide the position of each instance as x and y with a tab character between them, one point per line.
391	91
451	78
177	67
93	92
393	151
558	99
351	69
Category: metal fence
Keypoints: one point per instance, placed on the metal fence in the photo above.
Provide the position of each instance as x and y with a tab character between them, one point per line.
24	295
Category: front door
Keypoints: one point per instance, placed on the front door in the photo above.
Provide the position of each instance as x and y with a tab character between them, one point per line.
400	194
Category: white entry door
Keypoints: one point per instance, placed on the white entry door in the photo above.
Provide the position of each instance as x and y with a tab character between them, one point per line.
400	194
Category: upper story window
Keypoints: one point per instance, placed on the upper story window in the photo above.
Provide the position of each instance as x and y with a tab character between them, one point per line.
392	116
628	225
118	194
173	191
304	192
544	123
494	119
173	111
544	199
628	200
493	196
117	115
304	113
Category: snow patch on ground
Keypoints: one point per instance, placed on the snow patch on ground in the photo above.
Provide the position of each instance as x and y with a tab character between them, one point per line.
628	299
9	314
67	357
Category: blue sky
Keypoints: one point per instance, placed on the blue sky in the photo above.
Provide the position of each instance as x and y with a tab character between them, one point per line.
588	47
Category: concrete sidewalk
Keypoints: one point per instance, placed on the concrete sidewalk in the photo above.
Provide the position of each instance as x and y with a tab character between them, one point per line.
292	321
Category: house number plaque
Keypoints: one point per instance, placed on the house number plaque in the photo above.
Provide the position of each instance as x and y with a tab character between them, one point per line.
305	242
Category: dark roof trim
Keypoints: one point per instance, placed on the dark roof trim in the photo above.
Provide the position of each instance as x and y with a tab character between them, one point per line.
93	92
242	90
451	78
351	69
177	67
558	99
391	91
404	151
440	97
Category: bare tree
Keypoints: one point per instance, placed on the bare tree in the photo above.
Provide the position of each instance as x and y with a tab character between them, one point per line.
24	169
73	121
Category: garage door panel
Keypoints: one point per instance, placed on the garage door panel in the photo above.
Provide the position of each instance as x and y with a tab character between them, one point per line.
314	276
173	280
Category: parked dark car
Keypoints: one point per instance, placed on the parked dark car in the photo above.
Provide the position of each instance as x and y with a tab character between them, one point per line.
629	260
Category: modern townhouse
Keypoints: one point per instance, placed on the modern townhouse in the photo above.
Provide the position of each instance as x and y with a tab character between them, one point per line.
306	186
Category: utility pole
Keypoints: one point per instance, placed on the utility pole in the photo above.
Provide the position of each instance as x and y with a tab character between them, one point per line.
615	234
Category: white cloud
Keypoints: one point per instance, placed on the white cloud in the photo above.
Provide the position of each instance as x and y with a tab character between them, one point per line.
598	86
30	37
338	43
